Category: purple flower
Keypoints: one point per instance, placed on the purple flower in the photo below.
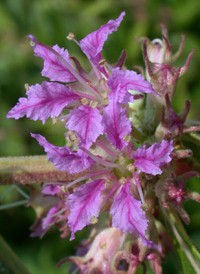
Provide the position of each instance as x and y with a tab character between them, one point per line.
95	111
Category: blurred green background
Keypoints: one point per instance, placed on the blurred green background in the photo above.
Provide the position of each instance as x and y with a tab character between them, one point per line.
50	21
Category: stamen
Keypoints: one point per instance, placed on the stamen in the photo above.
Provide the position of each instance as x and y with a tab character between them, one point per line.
32	43
70	36
54	120
93	104
107	149
102	62
84	101
100	160
26	86
93	220
74	73
127	138
93	175
137	183
131	168
122	180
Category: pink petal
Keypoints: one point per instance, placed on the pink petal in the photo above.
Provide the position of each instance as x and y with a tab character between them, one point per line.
86	122
117	124
127	214
93	43
63	158
128	80
54	68
149	160
44	101
84	204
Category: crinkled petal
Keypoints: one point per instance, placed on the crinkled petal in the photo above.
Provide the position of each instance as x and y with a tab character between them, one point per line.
63	158
116	123
43	101
128	80
127	214
84	204
93	43
150	160
54	68
87	123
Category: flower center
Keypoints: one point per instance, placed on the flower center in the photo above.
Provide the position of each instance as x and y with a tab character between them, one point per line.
124	170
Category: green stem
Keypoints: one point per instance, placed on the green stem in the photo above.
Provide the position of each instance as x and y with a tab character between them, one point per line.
183	239
10	260
26	170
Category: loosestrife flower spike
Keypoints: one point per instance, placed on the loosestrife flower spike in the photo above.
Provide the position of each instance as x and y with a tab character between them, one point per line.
128	173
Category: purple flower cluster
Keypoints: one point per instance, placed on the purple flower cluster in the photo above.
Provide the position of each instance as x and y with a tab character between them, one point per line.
94	106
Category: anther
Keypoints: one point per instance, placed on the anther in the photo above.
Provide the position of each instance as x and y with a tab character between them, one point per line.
93	220
102	62
26	87
102	81
64	189
93	104
127	138
54	120
72	136
122	180
130	167
70	36
84	101
32	44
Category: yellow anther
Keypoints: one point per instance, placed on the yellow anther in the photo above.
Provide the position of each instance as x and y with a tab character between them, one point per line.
127	138
84	101
102	81
64	189
104	94
122	180
54	120
102	62
130	167
93	220
105	101
26	86
70	36
72	136
93	104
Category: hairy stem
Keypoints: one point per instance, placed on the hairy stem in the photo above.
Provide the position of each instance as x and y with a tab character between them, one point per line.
26	170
